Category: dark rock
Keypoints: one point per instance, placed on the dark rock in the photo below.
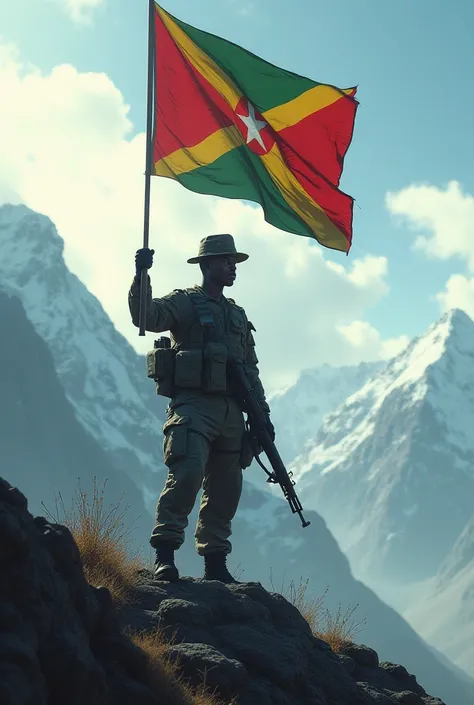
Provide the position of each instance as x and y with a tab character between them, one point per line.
172	612
401	675
63	641
196	635
52	646
373	695
407	697
275	656
14	538
270	640
362	655
104	598
203	663
348	663
395	670
12	495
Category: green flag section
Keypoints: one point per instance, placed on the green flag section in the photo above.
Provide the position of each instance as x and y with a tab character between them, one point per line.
230	124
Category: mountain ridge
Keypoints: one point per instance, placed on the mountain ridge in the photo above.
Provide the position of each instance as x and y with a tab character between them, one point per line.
263	522
315	393
444	614
404	425
98	368
41	440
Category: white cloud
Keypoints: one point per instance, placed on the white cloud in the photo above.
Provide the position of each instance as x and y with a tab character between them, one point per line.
80	11
367	343
67	149
370	272
445	218
459	293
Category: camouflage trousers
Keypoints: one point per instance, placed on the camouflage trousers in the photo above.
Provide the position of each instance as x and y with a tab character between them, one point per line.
202	446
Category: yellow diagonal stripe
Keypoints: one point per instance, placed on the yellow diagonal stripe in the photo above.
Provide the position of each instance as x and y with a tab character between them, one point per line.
201	61
202	154
301	202
222	141
309	102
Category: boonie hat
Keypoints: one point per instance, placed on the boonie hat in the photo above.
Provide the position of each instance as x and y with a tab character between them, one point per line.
217	246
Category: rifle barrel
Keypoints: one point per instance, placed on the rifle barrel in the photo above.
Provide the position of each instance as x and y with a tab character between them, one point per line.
259	423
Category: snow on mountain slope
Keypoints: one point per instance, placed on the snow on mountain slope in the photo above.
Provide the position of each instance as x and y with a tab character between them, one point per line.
460	558
298	412
105	383
392	468
43	447
102	375
444	615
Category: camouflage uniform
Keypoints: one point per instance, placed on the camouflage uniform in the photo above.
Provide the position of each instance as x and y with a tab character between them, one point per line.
203	432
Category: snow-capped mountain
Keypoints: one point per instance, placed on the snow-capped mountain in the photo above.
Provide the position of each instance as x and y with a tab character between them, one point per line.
315	393
392	468
44	450
444	614
112	400
102	375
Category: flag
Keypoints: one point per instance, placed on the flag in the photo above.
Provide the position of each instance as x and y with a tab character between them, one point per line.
230	124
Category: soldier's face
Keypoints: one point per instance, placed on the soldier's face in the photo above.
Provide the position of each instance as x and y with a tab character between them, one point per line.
223	270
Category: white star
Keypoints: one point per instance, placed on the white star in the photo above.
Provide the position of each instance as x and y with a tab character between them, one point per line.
254	126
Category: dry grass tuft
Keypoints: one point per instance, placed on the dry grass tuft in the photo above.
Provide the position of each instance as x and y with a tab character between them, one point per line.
337	629
103	541
104	544
164	678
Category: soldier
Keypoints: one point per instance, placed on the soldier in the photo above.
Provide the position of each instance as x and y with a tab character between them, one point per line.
205	444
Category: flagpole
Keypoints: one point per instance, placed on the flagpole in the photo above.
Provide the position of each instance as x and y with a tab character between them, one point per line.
149	161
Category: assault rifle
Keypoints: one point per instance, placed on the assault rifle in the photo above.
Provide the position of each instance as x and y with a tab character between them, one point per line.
258	422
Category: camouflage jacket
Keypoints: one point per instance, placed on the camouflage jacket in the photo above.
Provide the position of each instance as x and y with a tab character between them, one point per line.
175	313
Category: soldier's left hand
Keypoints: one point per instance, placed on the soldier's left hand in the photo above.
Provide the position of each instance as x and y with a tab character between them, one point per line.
143	259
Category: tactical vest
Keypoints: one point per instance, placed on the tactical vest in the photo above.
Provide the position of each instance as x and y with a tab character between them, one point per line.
198	360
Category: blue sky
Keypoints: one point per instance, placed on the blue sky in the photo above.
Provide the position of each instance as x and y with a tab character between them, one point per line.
412	60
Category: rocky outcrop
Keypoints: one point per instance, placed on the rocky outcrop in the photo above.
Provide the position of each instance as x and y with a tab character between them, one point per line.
254	644
61	640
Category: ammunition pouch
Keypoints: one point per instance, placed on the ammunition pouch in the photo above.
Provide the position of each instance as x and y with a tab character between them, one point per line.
188	369
160	364
215	368
201	368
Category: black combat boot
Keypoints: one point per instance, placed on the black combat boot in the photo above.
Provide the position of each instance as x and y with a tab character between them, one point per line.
216	569
165	568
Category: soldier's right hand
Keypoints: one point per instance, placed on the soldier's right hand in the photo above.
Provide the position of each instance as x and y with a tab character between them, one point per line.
143	259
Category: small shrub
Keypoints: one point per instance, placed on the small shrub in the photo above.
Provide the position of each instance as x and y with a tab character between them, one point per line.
339	628
103	540
336	628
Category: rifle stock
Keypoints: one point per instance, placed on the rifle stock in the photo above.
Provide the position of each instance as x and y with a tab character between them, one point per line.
259	429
